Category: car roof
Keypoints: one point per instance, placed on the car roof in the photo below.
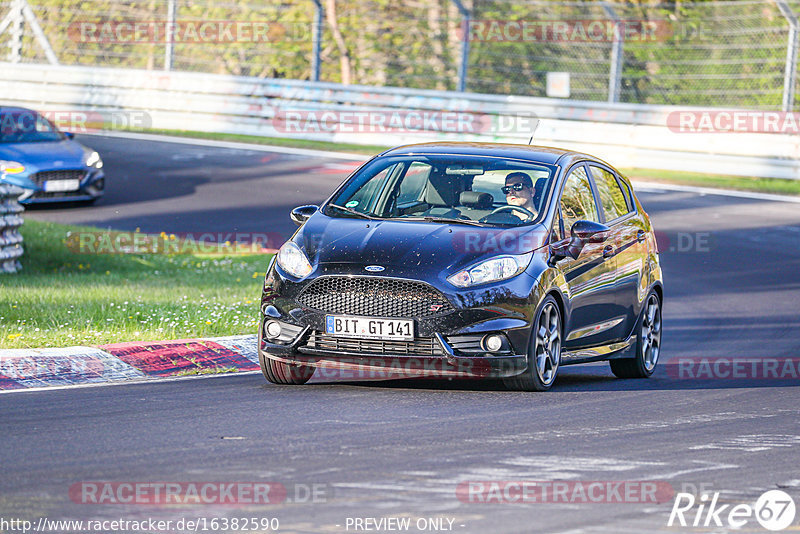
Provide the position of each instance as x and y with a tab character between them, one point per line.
540	154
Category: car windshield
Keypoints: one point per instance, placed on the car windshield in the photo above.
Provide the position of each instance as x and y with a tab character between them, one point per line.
26	127
467	189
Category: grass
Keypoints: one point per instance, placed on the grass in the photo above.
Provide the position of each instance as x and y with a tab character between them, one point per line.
64	297
207	371
741	183
719	181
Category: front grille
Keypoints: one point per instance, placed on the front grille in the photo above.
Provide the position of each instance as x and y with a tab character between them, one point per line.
374	296
70	174
421	346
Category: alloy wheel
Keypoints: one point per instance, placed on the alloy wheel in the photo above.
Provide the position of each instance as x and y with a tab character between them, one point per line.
651	333
547	352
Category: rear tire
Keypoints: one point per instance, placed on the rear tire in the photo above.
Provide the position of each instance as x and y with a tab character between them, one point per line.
284	373
648	343
544	351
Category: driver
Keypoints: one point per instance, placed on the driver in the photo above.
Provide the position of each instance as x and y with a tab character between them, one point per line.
519	192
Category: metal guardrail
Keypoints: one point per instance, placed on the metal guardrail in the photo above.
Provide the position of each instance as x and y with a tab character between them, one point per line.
10	221
740	53
629	135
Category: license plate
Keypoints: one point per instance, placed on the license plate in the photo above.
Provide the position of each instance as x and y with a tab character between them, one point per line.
55	186
370	327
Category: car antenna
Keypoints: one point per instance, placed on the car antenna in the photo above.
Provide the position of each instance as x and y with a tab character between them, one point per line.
535	126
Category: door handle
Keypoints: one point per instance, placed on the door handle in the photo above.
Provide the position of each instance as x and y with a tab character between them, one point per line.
641	235
608	251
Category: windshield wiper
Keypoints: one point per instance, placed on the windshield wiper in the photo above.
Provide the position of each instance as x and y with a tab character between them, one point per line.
351	211
442	220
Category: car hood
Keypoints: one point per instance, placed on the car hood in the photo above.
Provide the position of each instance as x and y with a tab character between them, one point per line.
44	154
341	240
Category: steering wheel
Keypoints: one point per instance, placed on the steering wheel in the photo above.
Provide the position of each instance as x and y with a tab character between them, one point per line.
509	207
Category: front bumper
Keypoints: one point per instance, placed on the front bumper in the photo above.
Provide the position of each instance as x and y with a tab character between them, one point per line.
446	345
91	187
366	365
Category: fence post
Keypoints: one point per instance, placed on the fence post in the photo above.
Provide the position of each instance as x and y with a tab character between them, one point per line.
29	15
10	221
317	39
16	19
169	35
615	68
464	64
790	70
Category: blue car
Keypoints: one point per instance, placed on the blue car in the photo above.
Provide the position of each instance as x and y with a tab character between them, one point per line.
49	165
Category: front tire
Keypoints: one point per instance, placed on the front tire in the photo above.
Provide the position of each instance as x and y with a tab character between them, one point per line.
284	373
648	343
544	351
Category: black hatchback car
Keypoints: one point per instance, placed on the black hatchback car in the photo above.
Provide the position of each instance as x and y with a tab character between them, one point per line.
467	260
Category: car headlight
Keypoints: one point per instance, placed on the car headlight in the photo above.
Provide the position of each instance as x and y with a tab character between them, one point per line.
94	160
493	270
11	167
292	260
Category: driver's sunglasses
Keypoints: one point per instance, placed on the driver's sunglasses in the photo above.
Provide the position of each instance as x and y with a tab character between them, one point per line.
516	187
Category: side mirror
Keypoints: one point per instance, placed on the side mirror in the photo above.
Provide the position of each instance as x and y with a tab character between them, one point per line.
69	135
582	232
301	214
589	231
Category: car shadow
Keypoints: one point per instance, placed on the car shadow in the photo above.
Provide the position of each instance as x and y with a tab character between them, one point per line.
578	379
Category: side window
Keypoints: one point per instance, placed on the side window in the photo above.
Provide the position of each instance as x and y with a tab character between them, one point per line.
612	198
577	200
413	182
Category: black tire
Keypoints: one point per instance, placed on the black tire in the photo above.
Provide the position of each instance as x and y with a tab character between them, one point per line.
648	343
284	373
544	350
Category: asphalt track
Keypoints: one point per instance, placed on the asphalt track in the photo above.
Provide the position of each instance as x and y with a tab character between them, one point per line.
401	448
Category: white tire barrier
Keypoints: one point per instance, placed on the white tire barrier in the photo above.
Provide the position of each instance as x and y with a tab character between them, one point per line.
10	220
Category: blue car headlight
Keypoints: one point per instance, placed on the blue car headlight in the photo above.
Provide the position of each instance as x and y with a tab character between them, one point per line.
491	270
94	161
11	167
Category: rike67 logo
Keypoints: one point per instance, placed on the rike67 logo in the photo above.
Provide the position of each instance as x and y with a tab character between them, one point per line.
774	510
